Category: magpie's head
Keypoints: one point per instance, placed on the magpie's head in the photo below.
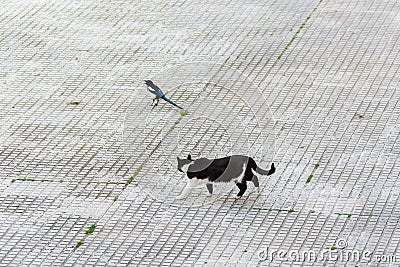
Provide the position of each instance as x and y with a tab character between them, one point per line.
148	82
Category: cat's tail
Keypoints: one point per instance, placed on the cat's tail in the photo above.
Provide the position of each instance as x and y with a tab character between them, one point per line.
265	172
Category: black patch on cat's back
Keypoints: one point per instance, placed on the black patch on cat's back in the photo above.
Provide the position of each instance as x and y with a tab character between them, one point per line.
218	170
204	168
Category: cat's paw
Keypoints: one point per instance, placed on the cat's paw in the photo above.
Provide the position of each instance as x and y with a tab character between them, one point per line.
180	197
257	190
238	197
209	195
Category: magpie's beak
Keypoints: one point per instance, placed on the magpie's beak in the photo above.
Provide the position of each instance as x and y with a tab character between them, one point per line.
180	170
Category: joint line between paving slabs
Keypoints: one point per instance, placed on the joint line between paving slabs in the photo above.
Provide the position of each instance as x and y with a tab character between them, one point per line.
297	32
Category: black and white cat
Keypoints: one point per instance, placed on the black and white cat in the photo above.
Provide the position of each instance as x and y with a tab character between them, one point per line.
203	171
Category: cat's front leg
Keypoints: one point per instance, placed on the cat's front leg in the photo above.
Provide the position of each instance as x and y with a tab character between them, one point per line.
185	193
191	183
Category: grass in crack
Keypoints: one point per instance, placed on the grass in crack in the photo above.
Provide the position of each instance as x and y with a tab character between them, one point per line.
344	214
132	178
91	229
80	243
309	178
278	210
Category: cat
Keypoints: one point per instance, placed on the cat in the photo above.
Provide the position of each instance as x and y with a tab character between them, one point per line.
237	168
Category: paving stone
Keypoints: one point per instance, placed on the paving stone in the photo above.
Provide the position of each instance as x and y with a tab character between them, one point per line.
312	86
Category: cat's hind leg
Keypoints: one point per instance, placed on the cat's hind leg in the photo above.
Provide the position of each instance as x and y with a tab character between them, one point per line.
243	187
210	189
254	179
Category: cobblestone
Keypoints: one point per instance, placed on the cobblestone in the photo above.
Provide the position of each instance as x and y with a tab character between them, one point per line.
311	85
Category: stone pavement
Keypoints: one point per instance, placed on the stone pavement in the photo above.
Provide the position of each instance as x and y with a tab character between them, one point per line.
88	170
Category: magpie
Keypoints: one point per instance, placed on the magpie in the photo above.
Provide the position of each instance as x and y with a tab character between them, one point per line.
154	89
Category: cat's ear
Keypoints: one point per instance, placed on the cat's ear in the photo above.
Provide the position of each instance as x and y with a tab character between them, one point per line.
189	157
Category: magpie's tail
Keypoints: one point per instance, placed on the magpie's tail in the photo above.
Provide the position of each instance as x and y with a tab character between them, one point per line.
170	101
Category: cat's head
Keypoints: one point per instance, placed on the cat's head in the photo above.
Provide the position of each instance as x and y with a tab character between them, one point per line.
183	163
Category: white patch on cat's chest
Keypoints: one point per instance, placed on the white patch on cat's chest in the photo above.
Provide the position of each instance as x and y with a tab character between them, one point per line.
185	167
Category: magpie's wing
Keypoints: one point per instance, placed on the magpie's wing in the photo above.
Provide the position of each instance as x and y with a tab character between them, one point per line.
170	101
155	87
155	90
158	93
